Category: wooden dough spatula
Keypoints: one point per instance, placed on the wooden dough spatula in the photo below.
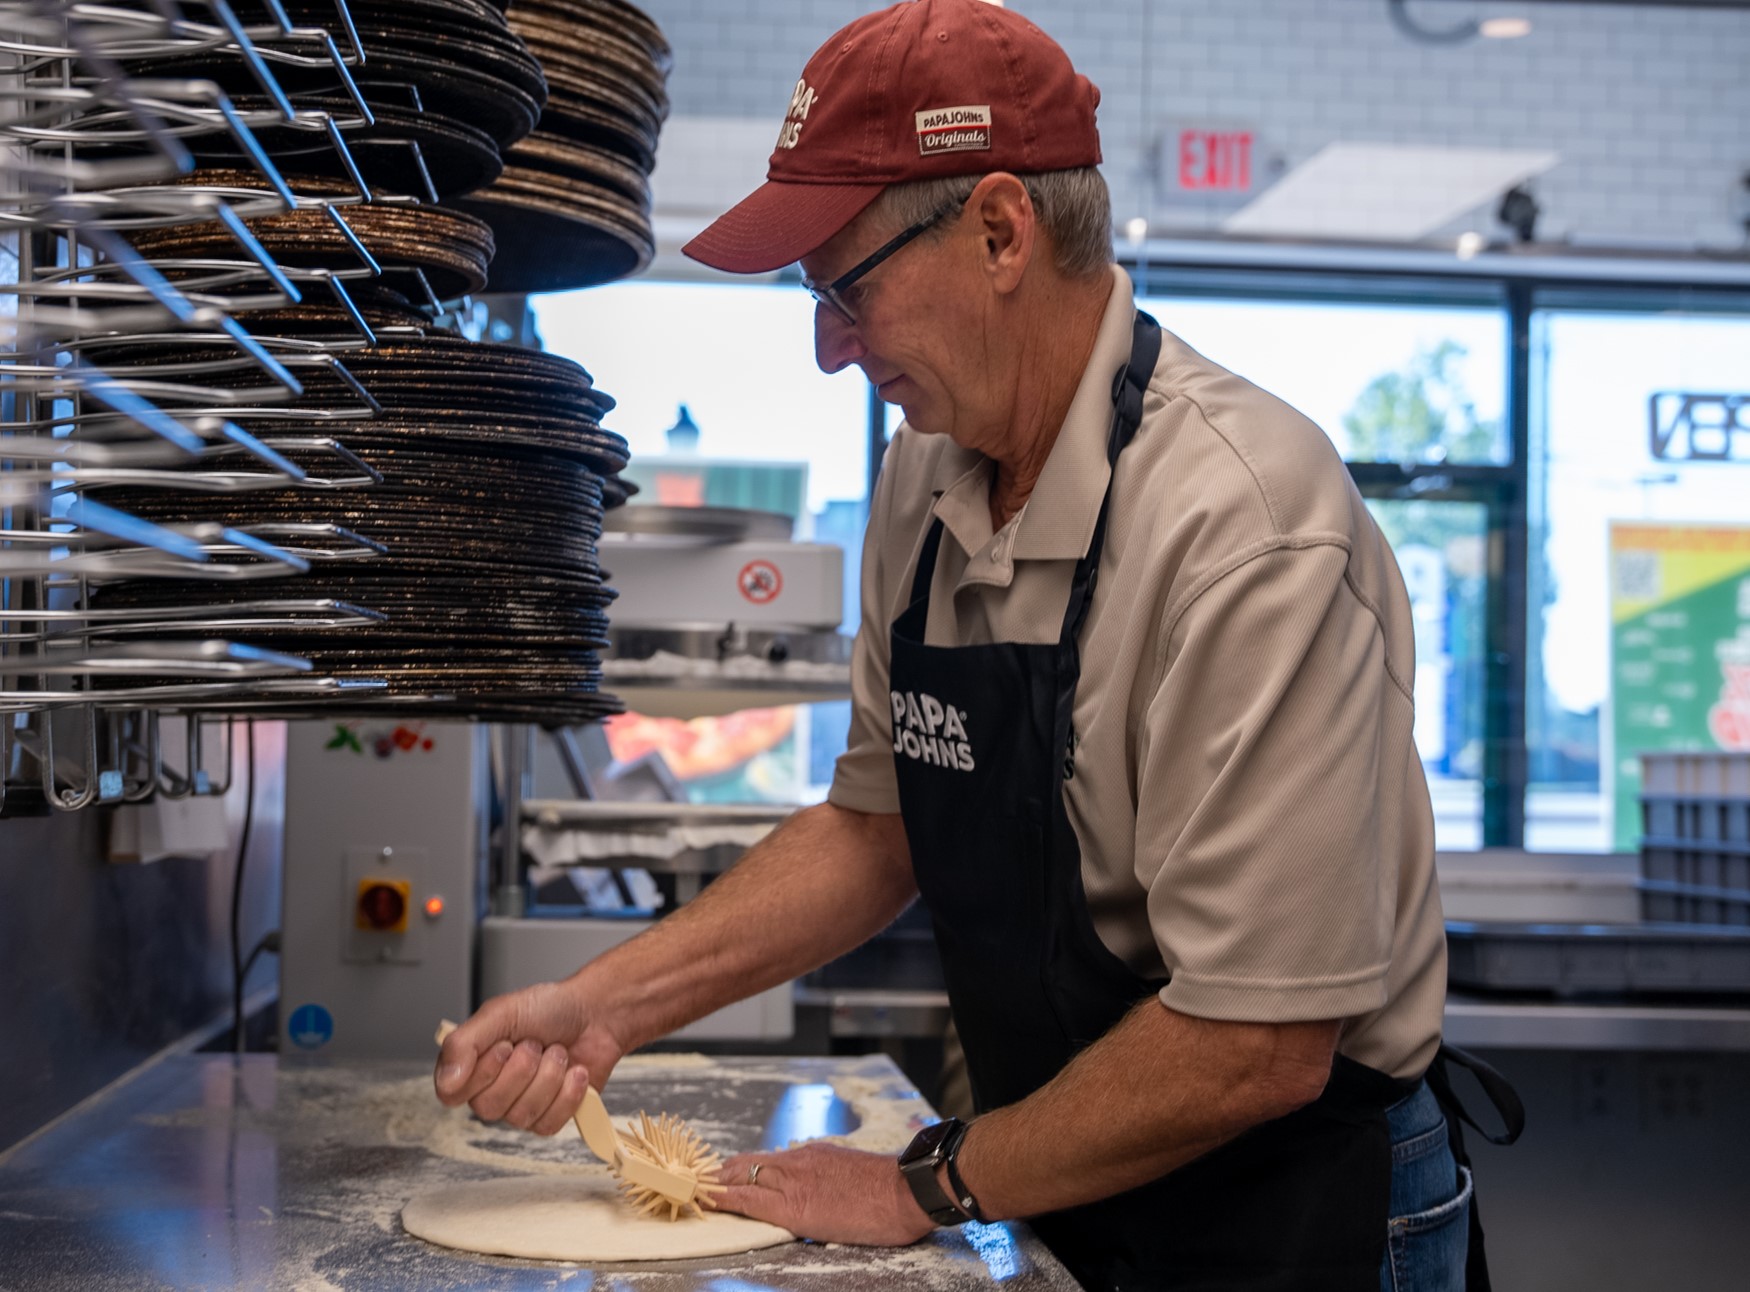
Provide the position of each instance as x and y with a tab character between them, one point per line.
649	1184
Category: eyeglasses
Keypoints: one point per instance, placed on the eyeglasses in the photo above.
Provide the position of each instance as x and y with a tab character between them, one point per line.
831	294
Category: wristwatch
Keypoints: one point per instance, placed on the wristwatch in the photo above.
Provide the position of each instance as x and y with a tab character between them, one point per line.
932	1147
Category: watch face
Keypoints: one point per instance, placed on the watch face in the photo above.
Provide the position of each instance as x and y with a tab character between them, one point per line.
928	1141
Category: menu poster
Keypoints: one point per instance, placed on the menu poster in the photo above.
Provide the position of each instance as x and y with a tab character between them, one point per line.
1679	649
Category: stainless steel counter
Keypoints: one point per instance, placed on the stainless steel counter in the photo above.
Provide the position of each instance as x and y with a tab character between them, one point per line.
1481	1022
208	1172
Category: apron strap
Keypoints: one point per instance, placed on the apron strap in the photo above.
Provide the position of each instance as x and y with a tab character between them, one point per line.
1512	1110
925	573
1500	1091
1128	386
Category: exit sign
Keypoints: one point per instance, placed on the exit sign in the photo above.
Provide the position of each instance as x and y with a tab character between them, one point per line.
1215	160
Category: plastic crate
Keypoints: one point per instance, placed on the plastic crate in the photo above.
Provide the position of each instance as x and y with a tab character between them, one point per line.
1714	774
1697	864
1668	903
1695	842
1705	819
1619	959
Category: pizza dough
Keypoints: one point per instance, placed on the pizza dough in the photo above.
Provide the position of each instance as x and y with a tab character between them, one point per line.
573	1218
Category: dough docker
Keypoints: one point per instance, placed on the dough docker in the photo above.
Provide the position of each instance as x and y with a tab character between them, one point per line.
661	1163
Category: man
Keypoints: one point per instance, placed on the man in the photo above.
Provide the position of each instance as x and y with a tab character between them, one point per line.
1132	711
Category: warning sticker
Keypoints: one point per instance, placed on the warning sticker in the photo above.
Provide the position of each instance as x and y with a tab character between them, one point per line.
760	582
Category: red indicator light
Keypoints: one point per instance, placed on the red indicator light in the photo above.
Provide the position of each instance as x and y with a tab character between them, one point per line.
434	907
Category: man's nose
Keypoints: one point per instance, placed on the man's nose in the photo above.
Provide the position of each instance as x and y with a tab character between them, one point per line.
837	344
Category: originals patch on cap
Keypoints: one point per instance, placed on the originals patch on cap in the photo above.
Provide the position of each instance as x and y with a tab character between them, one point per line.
954	130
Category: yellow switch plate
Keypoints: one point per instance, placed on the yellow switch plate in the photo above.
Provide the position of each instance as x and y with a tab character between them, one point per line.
401	886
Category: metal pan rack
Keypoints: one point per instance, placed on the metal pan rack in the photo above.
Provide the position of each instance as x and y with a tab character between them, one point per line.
87	141
212	219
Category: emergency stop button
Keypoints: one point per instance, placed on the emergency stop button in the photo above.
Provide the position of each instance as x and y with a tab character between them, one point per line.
382	905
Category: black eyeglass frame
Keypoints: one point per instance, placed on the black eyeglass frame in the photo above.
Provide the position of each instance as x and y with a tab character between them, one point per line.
831	294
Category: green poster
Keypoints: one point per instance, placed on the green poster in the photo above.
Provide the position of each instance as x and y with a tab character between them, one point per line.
1679	649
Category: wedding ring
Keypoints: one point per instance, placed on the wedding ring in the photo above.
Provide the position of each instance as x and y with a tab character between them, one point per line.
753	1173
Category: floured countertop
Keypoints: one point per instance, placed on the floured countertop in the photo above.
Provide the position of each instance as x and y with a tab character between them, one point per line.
209	1172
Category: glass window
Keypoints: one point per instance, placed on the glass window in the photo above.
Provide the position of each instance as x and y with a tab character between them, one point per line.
1387	382
740	360
1442	549
1638	417
719	396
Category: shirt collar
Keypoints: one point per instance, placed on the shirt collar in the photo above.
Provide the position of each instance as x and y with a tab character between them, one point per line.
1057	522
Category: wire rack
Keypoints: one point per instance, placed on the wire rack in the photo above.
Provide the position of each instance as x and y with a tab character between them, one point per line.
180	326
89	138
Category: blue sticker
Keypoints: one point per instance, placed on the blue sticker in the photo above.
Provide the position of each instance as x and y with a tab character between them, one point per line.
311	1027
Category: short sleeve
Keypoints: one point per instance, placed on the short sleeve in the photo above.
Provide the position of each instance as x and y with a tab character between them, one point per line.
1271	892
863	779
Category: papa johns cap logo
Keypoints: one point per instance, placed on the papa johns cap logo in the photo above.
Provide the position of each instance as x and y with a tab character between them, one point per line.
929	731
954	130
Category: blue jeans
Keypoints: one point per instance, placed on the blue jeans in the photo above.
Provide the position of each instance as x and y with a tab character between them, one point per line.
1428	1233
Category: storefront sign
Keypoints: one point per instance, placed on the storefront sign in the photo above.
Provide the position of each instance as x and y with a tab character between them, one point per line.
1680	649
1691	426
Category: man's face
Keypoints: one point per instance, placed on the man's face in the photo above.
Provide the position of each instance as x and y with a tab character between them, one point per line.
920	321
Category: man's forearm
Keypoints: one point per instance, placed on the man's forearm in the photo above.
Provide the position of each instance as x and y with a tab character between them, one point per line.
821	884
1157	1091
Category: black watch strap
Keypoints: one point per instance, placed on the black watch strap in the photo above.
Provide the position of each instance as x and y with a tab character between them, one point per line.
935	1146
962	1195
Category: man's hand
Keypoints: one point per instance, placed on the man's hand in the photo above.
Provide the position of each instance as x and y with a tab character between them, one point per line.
829	1193
525	1057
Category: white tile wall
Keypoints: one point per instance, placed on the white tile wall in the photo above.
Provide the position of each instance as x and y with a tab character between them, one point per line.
1648	107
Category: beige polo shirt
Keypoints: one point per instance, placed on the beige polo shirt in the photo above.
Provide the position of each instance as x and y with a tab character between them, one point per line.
1251	811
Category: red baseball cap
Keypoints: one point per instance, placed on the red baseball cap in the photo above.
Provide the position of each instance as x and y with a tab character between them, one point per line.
922	90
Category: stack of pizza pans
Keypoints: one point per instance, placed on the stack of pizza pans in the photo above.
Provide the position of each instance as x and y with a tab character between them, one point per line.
572	208
479	550
452	249
494	464
447	76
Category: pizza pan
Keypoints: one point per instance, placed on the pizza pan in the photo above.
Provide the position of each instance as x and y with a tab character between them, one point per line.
591	65
461	56
558	154
614	129
458	156
620	23
553	235
451	248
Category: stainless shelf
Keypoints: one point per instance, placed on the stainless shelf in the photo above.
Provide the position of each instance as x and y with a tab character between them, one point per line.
1481	1023
1471	1022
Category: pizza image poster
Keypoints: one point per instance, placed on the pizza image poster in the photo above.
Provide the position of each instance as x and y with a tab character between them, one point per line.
1679	649
698	749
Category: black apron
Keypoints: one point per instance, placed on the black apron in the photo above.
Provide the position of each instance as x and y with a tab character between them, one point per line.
983	745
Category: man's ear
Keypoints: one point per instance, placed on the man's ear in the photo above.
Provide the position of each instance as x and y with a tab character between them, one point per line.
1008	229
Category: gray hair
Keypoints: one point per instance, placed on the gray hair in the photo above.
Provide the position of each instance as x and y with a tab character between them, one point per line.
1073	206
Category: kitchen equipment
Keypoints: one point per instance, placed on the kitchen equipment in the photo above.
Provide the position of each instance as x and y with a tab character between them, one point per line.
720	610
